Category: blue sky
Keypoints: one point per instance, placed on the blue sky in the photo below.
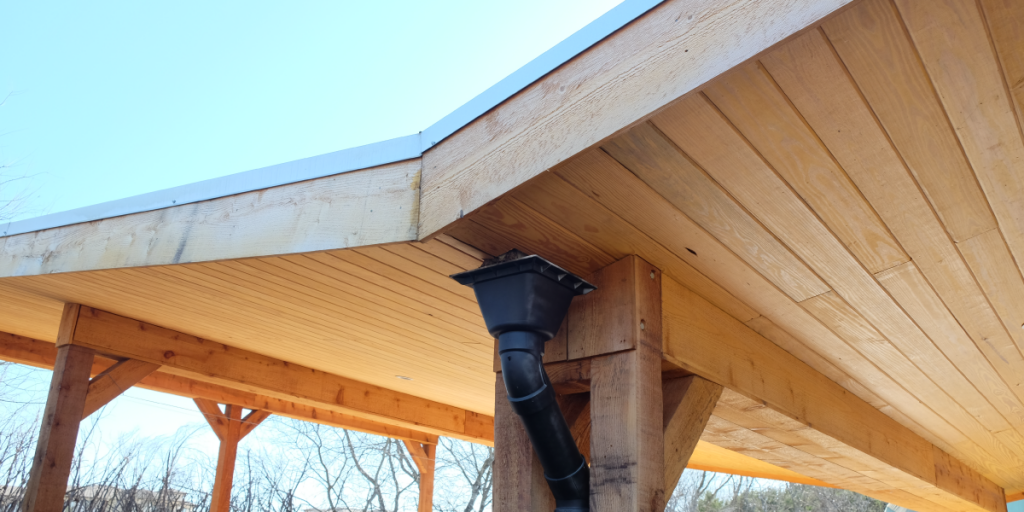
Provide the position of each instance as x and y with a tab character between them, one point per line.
113	99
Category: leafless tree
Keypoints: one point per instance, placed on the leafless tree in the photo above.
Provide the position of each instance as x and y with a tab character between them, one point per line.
467	470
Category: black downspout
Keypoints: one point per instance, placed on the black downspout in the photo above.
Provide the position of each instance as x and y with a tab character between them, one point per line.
524	300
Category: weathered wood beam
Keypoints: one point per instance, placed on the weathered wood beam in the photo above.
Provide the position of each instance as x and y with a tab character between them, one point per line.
48	479
209	361
423	455
688	404
627	470
113	381
616	83
42	354
367	207
706	341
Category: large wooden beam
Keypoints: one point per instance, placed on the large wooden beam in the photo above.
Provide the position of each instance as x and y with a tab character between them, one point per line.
213	362
48	479
42	354
367	207
672	50
706	341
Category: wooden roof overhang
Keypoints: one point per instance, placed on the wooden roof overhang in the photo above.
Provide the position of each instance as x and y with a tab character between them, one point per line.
838	185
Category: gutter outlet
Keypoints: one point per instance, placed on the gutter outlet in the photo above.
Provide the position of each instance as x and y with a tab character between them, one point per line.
524	300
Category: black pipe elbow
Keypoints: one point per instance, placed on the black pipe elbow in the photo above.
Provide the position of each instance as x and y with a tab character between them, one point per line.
533	399
524	300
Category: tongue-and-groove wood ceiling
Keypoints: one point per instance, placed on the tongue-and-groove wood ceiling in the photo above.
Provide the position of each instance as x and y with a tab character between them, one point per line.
855	195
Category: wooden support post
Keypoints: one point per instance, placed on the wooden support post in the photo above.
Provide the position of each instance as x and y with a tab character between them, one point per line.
627	441
423	454
688	404
69	386
230	428
610	392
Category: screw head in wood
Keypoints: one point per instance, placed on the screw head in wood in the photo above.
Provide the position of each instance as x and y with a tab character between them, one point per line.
642	325
652	274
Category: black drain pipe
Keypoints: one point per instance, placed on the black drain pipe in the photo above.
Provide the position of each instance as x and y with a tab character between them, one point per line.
524	300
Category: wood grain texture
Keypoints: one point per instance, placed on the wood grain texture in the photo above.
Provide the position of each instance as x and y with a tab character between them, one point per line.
998	274
519	483
873	45
952	39
555	198
814	79
753	103
655	59
113	381
627	439
207	359
622	313
51	466
372	206
709	457
702	132
656	161
220	497
688	403
42	354
704	340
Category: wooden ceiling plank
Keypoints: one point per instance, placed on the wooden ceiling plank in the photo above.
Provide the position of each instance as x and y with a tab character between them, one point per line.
814	79
952	38
325	268
124	337
706	341
770	423
605	180
42	354
702	132
442	291
416	252
343	266
560	202
455	252
319	317
658	163
297	306
753	103
480	237
872	43
908	285
200	305
536	234
843	319
998	274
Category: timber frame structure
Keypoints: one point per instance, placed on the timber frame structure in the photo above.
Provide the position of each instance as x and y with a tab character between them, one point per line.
805	219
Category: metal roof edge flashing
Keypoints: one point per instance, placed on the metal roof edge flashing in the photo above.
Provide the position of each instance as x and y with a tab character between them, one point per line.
351	159
328	164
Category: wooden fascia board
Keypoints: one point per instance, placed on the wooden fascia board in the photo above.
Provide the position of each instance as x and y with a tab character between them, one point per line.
367	207
42	354
671	50
704	340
